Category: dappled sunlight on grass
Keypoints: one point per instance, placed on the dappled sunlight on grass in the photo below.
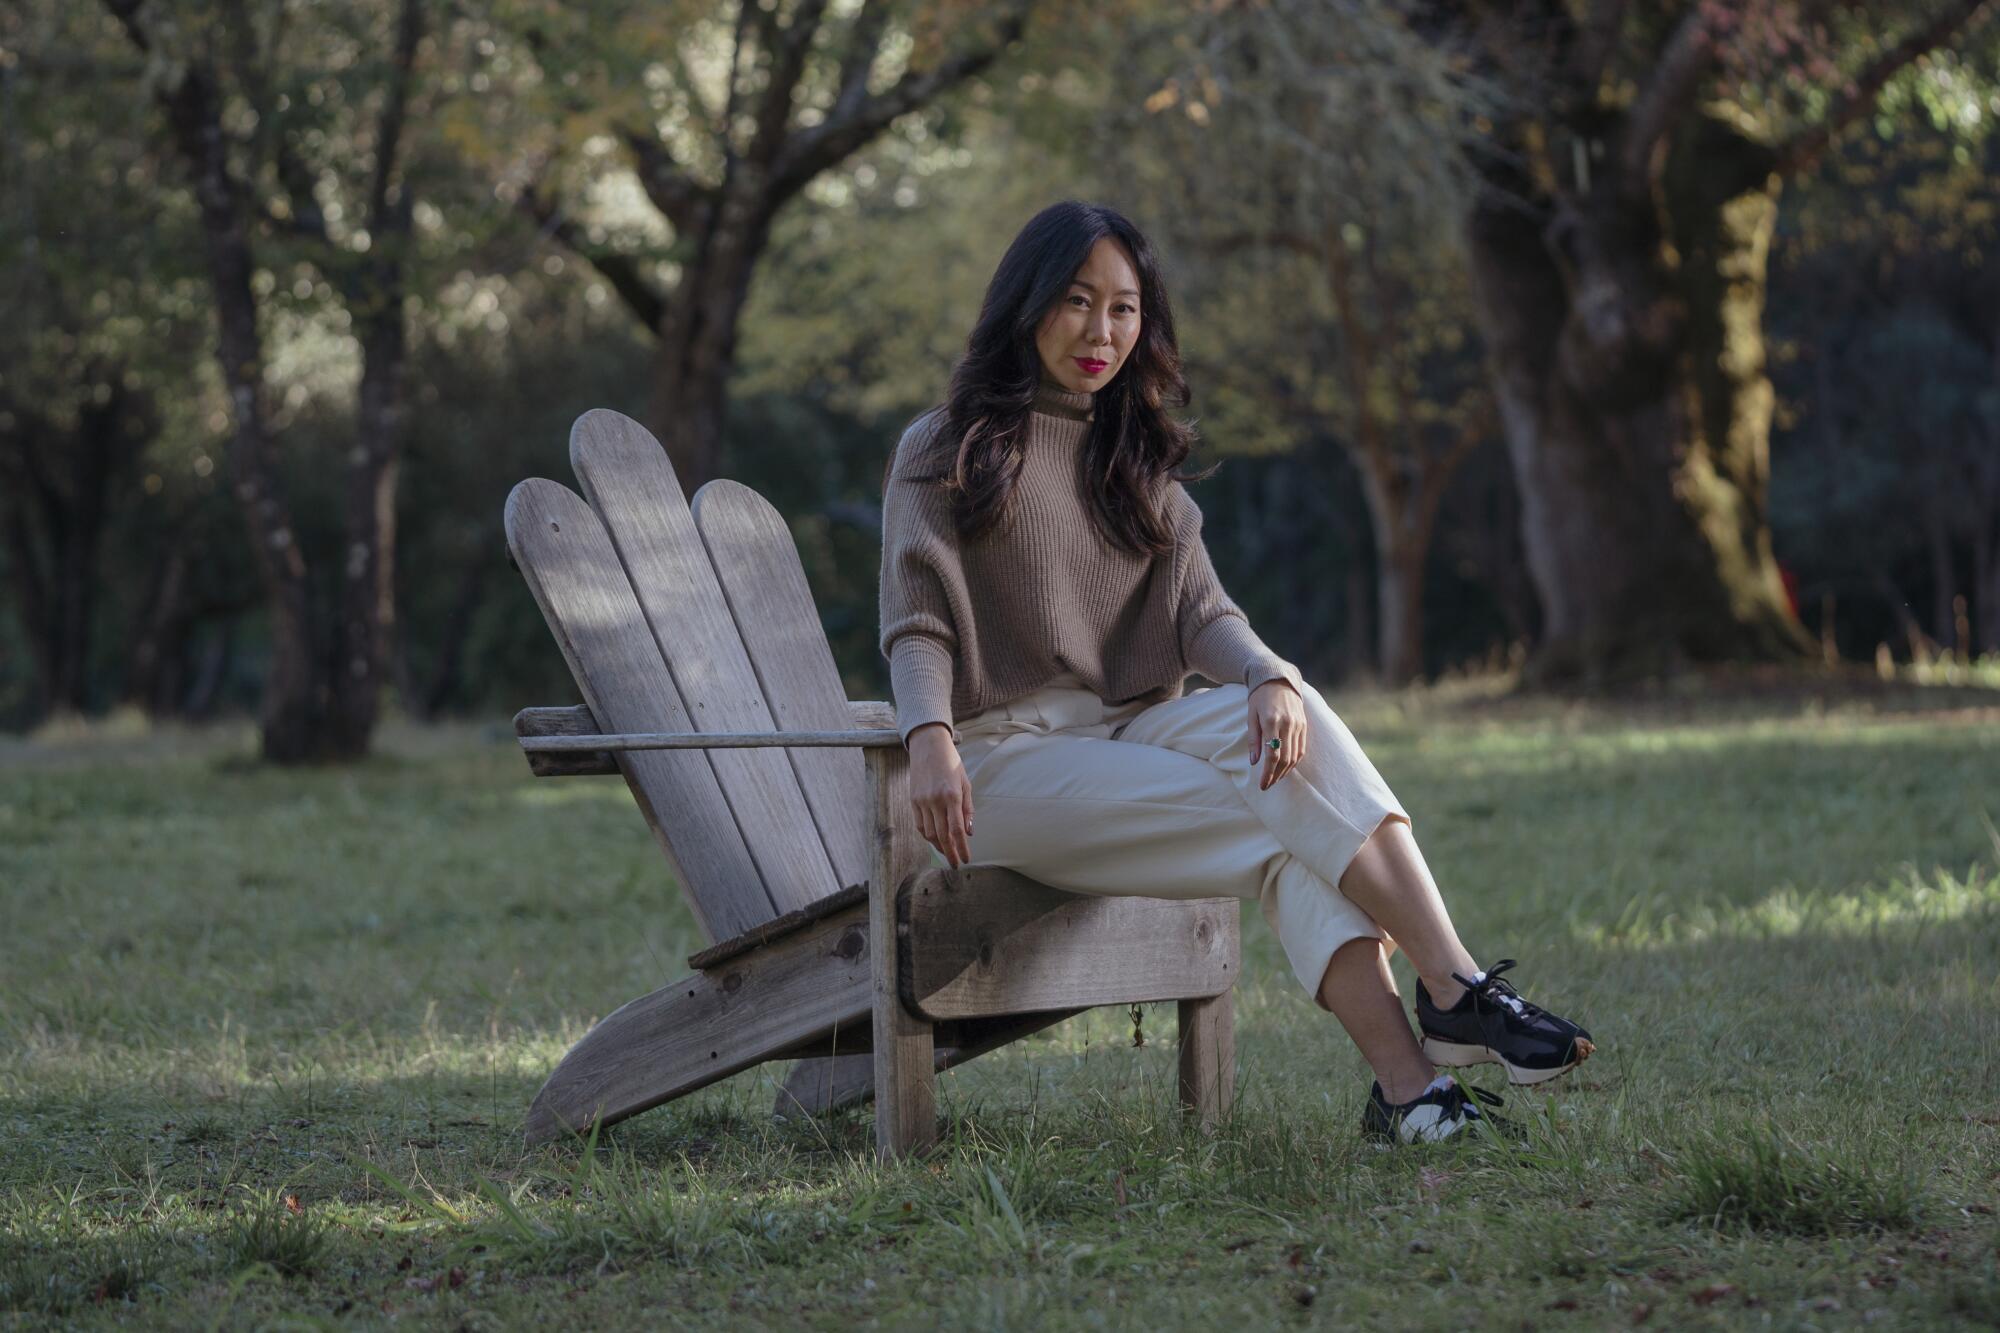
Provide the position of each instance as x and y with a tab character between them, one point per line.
1911	900
228	986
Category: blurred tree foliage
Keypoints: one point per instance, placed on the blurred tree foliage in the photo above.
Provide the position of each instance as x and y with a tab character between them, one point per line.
662	143
1886	305
1329	141
1323	308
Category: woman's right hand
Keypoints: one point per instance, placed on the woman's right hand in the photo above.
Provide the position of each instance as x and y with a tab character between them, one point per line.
940	792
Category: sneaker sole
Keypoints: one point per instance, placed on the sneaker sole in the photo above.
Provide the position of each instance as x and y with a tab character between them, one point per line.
1456	1055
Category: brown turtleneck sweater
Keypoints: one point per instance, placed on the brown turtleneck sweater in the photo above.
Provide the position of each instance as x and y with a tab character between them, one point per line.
968	626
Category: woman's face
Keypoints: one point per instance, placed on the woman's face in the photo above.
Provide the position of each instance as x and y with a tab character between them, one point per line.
1084	341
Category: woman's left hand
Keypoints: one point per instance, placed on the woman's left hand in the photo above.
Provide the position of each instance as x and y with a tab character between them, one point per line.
1277	710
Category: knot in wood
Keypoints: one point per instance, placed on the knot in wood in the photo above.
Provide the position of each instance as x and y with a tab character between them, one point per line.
732	983
853	941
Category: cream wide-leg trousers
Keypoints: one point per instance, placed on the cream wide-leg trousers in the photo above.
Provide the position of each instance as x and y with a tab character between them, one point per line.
1162	801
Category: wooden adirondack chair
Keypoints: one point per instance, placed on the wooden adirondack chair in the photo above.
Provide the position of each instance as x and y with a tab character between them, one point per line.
784	809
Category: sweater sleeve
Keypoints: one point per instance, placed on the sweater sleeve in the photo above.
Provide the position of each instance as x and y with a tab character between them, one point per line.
920	570
1215	636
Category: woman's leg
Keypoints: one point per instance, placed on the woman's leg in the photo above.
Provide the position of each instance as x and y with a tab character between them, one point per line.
1389	880
1099	816
1362	995
1333	811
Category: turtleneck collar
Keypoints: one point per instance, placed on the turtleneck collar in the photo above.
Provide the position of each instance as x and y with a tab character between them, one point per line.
1056	401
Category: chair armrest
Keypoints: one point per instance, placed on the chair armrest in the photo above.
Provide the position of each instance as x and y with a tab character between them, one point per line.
705	740
577	723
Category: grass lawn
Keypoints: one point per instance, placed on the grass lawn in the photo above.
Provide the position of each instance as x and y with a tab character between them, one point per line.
266	1039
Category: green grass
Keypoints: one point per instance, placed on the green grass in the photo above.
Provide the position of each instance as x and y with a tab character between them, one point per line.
266	1039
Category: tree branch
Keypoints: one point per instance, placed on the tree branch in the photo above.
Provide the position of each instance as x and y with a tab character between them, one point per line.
1804	148
1689	54
828	143
864	43
389	133
622	271
673	191
303	217
787	49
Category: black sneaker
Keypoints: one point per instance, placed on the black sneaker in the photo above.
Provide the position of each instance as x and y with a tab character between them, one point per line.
1492	1022
1444	1111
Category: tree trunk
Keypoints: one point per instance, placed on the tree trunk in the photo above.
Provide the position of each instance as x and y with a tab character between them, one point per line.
1944	576
1400	584
1627	356
156	640
60	485
1361	655
1986	578
367	589
697	347
293	700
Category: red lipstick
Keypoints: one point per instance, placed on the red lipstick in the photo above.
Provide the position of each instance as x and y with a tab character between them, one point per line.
1090	367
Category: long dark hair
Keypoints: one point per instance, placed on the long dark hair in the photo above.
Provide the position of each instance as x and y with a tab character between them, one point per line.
976	450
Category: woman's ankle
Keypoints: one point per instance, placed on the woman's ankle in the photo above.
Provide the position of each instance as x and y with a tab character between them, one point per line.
1444	992
1405	1085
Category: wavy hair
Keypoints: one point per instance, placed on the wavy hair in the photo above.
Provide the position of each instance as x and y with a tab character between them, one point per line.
1132	444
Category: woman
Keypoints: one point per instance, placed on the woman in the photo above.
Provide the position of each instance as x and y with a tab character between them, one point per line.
1044	592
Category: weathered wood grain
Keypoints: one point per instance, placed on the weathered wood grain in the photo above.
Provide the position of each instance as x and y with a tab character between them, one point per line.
828	1083
905	1078
1208	1056
757	564
622	742
712	1024
571	568
576	720
629	482
988	941
778	927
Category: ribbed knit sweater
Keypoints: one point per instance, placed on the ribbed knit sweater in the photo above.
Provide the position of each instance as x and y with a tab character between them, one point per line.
969	625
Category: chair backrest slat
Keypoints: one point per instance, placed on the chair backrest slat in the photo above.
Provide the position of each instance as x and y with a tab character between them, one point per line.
574	572
630	483
757	563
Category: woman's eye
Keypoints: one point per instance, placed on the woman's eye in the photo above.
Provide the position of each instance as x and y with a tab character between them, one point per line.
1128	309
1080	300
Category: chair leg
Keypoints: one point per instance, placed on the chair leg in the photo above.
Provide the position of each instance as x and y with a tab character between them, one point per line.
1208	1056
905	1081
905	1069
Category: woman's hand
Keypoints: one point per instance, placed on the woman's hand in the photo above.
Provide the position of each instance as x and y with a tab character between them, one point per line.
940	792
1277	710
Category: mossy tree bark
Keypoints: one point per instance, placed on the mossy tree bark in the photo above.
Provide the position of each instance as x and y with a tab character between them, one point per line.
1628	357
1619	261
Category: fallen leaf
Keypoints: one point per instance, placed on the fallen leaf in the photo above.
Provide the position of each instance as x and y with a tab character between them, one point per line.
1566	1303
456	1278
1712	1293
292	1204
